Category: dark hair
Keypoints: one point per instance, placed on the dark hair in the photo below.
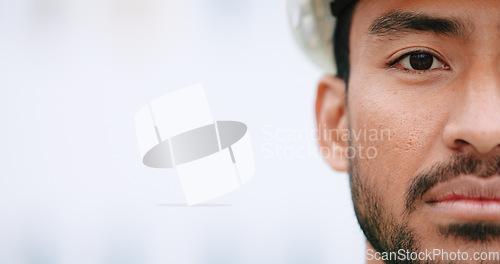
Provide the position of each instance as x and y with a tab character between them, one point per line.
341	41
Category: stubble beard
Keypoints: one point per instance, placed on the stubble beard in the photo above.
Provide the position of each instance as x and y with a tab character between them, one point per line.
386	234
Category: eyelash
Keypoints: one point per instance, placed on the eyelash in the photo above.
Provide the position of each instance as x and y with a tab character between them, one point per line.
392	63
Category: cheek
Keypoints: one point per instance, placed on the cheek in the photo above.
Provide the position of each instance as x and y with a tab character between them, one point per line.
401	130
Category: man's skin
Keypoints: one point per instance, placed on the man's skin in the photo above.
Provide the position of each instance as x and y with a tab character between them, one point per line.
434	184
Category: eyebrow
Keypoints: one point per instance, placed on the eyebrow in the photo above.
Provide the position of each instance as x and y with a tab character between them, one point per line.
398	22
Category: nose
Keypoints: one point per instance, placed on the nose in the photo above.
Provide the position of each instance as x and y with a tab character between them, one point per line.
474	125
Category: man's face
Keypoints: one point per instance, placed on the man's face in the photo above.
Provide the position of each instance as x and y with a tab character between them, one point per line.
426	72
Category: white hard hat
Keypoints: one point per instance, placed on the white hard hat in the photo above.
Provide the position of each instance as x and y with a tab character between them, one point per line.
312	24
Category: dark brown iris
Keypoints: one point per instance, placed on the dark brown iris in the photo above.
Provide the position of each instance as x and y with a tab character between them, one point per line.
421	61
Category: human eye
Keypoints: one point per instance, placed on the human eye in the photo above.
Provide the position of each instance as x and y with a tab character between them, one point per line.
419	61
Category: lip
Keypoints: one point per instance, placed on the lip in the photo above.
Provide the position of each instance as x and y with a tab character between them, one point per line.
466	198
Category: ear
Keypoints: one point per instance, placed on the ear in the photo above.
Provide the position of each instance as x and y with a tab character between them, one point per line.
331	121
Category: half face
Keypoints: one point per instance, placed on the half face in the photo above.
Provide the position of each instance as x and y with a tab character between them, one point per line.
423	116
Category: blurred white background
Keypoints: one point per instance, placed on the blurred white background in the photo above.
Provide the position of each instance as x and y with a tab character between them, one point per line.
72	185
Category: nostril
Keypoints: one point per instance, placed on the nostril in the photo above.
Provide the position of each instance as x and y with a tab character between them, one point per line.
460	142
478	146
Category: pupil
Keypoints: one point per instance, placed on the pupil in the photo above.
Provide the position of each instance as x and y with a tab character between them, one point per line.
421	61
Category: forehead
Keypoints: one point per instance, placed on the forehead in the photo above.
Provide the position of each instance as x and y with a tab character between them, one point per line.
444	7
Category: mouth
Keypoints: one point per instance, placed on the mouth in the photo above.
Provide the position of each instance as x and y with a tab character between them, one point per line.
466	198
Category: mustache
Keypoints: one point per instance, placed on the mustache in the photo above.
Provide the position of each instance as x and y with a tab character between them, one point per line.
448	170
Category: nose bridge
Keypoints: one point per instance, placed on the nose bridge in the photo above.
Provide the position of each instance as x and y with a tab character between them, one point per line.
476	121
482	87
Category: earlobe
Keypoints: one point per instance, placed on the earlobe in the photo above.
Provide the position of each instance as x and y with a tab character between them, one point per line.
331	121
